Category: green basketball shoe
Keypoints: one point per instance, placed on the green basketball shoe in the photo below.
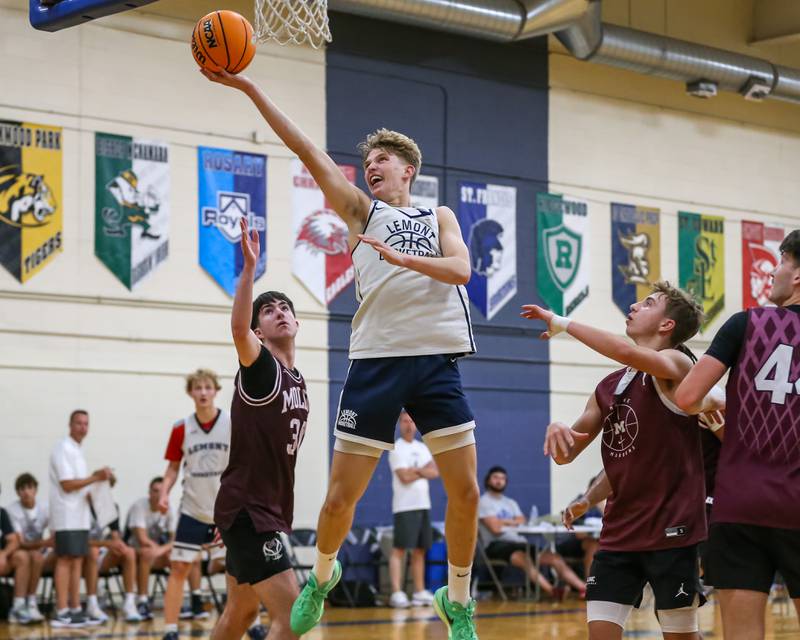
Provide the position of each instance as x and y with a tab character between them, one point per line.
457	617
308	608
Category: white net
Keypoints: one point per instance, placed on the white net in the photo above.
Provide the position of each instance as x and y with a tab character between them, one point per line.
295	21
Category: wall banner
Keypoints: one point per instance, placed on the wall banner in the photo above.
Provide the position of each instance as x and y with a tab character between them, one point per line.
31	209
635	253
760	256
563	258
232	185
701	260
132	205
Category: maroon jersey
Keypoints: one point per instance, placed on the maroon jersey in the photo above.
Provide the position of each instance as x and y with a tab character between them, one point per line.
266	433
652	457
758	479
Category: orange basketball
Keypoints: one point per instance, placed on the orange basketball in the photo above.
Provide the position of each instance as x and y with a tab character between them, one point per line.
223	40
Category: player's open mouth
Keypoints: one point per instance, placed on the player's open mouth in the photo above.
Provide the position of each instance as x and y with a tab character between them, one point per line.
375	180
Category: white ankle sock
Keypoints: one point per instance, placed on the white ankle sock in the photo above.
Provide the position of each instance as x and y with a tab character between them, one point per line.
19	603
91	601
170	628
458	579
323	566
33	602
130	600
144	599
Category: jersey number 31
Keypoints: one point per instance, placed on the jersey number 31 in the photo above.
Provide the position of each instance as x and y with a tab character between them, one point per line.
779	361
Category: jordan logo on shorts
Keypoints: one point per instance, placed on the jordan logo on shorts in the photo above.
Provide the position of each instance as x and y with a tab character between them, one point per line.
347	419
273	550
681	592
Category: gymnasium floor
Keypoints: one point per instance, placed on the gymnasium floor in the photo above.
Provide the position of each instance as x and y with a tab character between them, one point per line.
496	621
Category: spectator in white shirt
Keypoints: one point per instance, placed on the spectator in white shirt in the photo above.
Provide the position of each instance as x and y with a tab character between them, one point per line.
412	466
70	518
150	532
30	519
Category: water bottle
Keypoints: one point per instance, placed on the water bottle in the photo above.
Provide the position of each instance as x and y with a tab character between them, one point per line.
534	516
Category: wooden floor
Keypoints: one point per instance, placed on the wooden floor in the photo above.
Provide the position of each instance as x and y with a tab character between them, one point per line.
496	621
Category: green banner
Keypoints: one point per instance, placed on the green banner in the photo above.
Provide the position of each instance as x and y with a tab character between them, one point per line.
701	260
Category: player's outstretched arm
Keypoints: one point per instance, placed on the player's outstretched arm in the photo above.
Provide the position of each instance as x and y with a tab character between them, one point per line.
698	393
247	344
350	202
564	443
668	364
452	268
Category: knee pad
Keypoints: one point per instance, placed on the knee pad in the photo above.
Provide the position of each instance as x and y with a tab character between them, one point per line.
683	620
356	448
440	444
603	611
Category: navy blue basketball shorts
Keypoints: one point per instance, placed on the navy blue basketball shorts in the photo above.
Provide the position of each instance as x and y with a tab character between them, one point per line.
190	537
377	389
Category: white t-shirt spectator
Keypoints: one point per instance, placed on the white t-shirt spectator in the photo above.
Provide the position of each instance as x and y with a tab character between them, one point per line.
415	495
502	507
158	525
68	511
30	524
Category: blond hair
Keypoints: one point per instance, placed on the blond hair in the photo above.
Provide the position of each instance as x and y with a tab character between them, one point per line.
683	308
393	142
202	374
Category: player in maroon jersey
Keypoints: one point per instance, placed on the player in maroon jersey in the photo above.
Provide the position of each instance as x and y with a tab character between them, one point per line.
755	522
269	412
655	516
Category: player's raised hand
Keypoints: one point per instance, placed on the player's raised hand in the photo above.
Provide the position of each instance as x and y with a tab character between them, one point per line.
237	81
559	440
251	245
574	511
535	312
392	256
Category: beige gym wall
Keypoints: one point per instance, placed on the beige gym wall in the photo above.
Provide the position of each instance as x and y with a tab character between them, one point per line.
73	336
616	136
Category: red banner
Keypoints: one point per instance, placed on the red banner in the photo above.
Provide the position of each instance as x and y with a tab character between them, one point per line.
759	257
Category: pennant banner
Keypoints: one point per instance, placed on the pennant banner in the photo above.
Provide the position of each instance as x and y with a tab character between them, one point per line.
31	219
232	185
321	256
487	214
132	205
425	192
562	260
701	260
760	256
635	253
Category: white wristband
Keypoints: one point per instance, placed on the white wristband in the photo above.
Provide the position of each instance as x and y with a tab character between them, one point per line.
557	325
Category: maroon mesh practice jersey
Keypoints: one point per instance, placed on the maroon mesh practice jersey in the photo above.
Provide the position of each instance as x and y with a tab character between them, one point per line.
266	435
652	456
758	478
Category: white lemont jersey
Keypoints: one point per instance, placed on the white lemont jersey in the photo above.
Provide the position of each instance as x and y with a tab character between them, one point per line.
403	312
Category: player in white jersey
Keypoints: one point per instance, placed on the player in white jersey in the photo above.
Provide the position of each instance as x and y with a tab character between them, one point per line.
201	443
413	323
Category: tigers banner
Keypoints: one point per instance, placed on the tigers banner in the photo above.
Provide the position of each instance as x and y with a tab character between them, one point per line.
635	253
232	185
562	252
701	260
31	214
760	256
487	214
321	256
131	230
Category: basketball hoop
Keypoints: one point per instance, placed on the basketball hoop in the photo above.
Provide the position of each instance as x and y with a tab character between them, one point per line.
295	21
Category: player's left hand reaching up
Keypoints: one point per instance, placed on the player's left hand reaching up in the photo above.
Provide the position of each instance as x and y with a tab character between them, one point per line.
392	256
251	245
535	312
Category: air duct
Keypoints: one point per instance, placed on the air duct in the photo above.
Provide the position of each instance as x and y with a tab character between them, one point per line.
577	25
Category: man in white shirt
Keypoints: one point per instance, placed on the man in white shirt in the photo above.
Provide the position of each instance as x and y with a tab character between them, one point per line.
70	518
30	519
412	466
150	532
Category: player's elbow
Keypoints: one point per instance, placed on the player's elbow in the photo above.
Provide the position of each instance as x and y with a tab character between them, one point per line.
686	397
462	273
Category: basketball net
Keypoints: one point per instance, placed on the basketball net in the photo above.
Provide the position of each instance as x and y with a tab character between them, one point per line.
295	21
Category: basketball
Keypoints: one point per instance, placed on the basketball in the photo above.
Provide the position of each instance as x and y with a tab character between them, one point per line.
223	40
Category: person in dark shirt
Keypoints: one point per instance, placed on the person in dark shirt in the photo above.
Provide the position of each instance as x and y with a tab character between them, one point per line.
15	560
755	522
269	413
655	516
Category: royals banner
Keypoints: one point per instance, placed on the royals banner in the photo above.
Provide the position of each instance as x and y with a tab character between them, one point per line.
562	260
131	230
760	256
232	185
701	260
321	256
487	214
30	197
635	253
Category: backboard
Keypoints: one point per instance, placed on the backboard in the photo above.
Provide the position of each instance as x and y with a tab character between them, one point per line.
52	15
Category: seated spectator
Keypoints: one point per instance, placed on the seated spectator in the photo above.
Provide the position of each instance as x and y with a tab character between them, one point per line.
14	560
496	513
150	533
582	545
30	519
107	551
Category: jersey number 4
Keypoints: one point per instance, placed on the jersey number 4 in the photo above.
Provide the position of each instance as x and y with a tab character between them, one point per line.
298	433
778	365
